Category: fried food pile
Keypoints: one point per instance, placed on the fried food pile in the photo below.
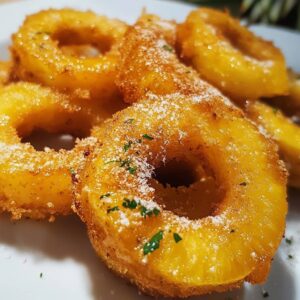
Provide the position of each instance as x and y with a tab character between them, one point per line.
177	171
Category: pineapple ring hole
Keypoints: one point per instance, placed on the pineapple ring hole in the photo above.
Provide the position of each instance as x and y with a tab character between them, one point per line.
81	51
41	139
63	136
176	173
186	189
73	43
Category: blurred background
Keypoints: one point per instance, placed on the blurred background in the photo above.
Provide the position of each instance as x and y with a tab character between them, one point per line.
277	12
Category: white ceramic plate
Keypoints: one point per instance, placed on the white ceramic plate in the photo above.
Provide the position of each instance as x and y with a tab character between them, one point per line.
55	261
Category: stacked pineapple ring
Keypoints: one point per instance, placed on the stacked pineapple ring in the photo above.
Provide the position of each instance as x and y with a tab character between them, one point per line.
142	240
284	132
246	68
39	58
37	184
242	65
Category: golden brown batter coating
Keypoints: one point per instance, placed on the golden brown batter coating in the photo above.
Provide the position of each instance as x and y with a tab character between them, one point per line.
39	58
37	184
232	58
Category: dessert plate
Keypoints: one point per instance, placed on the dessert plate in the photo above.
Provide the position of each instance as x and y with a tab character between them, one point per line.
40	260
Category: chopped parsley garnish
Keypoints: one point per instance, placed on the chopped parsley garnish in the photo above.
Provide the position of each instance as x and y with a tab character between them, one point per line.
41	275
168	48
105	195
290	256
111	209
129	121
289	241
177	237
243	183
149	212
265	294
232	231
153	243
275	110
145	212
147	137
127	146
124	164
72	172
127	203
131	170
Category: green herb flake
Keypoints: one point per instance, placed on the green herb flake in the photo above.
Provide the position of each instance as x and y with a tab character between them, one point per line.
132	170
126	163
290	256
41	275
232	231
265	294
243	183
153	243
105	195
177	237
168	48
127	203
289	241
156	211
127	146
275	110
147	137
111	209
145	212
72	171
129	121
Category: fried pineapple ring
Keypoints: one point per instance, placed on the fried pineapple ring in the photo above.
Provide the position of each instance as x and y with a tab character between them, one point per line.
157	72
33	183
294	95
226	54
290	104
38	57
284	132
151	245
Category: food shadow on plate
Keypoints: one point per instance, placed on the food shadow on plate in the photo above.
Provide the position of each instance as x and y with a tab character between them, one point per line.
294	204
69	233
42	239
